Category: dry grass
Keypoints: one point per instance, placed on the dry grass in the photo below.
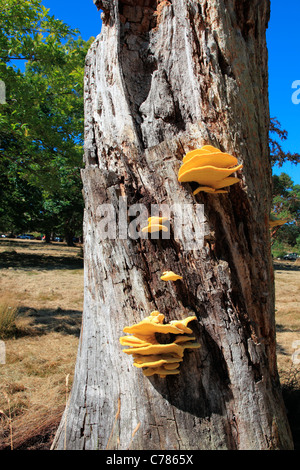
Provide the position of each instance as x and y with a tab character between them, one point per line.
287	283
8	315
45	284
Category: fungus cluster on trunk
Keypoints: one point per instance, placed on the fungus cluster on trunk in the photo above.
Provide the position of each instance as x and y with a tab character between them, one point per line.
210	168
152	356
274	222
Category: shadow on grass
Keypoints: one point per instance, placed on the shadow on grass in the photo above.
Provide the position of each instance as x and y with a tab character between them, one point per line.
286	266
284	329
291	396
43	321
12	259
281	350
292	402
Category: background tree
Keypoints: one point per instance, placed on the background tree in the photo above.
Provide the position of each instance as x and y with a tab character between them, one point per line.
41	125
286	201
286	195
166	77
286	206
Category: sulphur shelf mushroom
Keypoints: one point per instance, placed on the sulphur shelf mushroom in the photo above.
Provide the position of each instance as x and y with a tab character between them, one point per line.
210	168
274	222
170	276
150	355
155	224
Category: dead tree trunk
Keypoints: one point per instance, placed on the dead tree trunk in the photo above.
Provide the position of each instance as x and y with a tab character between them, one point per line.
165	77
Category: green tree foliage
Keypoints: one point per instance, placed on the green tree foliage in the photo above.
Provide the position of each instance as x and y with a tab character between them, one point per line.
286	195
41	124
27	31
286	201
286	205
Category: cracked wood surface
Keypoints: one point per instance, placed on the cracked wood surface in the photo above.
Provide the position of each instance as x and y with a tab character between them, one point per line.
165	77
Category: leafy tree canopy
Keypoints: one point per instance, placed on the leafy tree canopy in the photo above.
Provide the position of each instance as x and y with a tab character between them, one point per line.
286	205
286	195
41	123
286	200
29	32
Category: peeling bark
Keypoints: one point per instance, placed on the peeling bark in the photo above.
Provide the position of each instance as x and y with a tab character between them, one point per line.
165	77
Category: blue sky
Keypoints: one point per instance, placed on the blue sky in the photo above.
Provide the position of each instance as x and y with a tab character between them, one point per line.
284	63
79	14
284	69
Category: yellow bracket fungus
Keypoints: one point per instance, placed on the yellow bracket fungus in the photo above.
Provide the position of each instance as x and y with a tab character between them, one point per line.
170	276
204	150
209	167
274	222
206	189
157	220
150	355
221	160
207	175
155	224
277	223
155	228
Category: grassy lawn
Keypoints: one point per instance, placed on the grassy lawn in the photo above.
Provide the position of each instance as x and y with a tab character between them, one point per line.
41	295
43	285
287	302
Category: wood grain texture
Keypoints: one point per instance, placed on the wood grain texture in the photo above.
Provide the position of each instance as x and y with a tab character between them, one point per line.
165	77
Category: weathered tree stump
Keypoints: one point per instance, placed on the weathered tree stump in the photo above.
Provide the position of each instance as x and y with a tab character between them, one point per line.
163	78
